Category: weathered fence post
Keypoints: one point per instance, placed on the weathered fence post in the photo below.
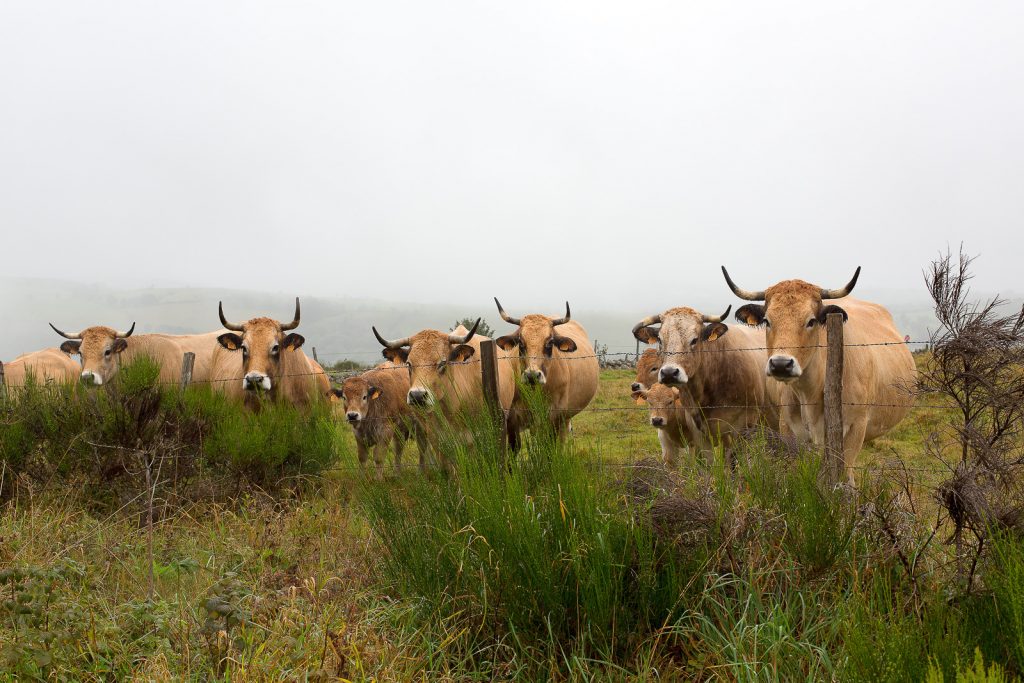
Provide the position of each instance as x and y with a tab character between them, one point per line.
315	359
187	362
1	374
833	462
489	374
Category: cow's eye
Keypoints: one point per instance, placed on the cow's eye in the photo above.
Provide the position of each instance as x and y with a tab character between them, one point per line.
693	342
275	349
441	365
767	322
245	350
107	352
810	323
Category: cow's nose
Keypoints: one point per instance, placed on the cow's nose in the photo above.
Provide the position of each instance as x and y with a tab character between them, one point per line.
533	376
417	397
669	374
782	364
90	378
352	417
635	386
658	421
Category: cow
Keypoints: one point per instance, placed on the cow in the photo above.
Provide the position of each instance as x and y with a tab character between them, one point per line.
263	358
878	368
556	356
673	414
647	367
442	375
103	350
47	366
718	370
374	405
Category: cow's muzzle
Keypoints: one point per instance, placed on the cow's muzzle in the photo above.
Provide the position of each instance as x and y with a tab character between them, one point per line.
256	380
353	416
783	367
534	377
672	375
89	377
657	422
419	397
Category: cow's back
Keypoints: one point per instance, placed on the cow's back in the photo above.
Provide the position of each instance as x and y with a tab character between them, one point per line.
46	366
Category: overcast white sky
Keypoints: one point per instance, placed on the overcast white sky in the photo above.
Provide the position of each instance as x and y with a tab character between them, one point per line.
611	153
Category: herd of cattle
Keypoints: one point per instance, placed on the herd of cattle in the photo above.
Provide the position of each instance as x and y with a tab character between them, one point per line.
704	381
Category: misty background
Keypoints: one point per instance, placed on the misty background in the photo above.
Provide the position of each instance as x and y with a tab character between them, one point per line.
400	163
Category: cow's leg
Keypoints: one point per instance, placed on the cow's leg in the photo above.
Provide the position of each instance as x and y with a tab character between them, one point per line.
361	453
669	449
424	447
379	455
853	441
398	442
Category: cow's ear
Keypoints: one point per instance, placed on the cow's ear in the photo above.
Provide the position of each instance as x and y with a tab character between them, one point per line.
831	308
230	341
751	314
335	394
676	396
564	344
373	392
713	331
293	341
640	396
508	342
647	335
119	345
461	353
398	356
71	347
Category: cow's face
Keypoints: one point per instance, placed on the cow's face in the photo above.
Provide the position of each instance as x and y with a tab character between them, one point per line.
537	338
793	314
684	335
99	349
428	355
647	369
663	401
354	397
261	343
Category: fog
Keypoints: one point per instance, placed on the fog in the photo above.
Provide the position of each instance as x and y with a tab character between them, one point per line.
612	154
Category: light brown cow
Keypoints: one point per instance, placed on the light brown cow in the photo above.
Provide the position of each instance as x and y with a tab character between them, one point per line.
876	379
555	354
374	404
647	367
718	370
674	416
444	371
103	350
47	366
265	361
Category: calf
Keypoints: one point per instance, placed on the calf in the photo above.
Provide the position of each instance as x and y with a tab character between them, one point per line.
673	415
374	404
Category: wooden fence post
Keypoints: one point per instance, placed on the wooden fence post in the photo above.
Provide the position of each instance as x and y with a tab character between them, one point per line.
1	374
315	359
833	462
489	375
187	362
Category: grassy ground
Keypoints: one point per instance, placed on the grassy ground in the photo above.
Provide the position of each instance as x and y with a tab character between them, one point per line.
266	588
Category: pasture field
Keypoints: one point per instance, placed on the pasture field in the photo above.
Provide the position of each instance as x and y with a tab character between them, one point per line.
585	561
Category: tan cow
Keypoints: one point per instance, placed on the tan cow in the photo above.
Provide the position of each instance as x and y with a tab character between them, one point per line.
48	366
647	367
265	361
444	371
675	417
103	350
561	362
374	404
718	369
876	378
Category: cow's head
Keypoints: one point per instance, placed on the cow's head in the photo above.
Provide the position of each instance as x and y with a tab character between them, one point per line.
428	354
537	340
793	313
354	398
684	334
261	342
647	367
663	401
99	348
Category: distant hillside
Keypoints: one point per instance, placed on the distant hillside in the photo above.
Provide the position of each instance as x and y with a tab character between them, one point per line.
337	327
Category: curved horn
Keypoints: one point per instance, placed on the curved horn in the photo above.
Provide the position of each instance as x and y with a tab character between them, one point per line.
125	335
66	335
396	344
649	320
456	339
562	321
840	293
295	321
224	321
505	316
718	318
742	293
